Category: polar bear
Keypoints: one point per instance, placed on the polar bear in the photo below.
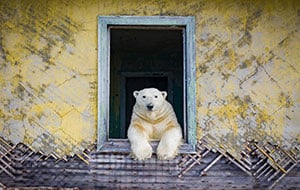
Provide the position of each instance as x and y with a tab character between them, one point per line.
153	118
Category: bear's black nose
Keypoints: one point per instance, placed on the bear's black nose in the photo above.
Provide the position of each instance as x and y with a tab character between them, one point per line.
150	107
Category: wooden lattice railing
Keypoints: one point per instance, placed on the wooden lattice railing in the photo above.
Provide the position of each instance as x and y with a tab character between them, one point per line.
266	162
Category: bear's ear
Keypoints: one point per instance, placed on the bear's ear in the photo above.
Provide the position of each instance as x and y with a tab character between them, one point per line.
164	94
135	93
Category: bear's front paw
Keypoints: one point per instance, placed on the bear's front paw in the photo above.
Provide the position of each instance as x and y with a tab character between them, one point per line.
141	152
164	153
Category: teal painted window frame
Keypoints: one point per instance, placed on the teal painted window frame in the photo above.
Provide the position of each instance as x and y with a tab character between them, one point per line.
104	22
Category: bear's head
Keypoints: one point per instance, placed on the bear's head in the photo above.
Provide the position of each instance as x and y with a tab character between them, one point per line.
150	99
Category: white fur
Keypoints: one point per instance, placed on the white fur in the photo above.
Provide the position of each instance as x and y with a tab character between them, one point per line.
159	123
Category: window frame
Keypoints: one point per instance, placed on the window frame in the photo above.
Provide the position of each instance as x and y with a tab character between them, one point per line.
189	73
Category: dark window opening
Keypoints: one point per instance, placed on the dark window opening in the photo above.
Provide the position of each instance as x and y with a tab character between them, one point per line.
141	58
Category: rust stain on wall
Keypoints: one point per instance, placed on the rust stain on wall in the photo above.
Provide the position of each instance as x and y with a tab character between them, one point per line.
247	59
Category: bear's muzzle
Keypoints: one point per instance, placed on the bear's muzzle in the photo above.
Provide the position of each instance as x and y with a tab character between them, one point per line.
150	106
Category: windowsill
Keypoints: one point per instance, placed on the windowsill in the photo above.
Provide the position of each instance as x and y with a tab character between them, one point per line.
123	146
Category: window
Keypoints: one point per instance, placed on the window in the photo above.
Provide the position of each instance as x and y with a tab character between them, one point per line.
139	52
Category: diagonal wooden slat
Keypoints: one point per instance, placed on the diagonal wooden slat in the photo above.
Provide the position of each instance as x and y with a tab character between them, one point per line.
12	156
266	162
190	160
6	159
273	162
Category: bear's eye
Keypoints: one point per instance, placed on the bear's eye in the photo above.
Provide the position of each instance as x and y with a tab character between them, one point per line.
155	96
144	96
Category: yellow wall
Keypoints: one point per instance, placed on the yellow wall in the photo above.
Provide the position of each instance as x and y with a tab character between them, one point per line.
247	56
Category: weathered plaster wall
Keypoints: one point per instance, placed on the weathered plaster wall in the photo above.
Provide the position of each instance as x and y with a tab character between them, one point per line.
247	56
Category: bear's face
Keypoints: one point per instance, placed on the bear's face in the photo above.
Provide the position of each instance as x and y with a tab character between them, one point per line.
150	99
